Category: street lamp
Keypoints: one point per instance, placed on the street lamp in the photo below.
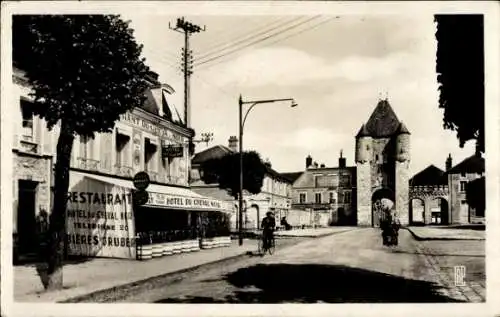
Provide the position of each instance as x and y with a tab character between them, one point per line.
242	121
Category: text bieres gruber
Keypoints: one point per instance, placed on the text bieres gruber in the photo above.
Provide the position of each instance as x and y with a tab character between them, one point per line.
117	220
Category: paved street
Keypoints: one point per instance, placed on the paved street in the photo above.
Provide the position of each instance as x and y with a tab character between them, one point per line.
346	267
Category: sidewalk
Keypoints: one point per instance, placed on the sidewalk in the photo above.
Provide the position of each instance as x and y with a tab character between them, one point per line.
312	233
430	233
102	273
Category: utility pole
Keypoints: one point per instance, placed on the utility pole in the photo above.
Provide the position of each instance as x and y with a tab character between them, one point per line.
187	28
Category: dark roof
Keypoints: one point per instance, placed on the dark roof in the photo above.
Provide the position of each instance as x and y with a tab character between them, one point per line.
362	132
431	175
472	164
403	129
383	121
292	177
214	152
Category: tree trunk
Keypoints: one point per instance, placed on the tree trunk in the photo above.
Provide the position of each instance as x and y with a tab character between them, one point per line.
57	229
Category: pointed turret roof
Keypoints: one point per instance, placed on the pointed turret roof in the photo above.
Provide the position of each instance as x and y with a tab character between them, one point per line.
362	132
383	121
402	129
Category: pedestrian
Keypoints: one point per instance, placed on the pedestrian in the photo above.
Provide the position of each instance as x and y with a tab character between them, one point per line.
42	234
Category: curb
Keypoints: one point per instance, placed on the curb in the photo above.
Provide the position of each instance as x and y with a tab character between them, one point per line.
419	238
100	294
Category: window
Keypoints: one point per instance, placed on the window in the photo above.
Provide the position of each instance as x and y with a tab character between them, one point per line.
122	153
347	197
27	114
149	154
346	180
317	198
462	174
464	202
332	198
86	147
302	198
463	186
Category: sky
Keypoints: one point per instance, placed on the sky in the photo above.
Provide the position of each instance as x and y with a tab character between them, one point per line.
335	67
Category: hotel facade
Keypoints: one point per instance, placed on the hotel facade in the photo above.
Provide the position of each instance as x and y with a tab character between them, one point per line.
102	219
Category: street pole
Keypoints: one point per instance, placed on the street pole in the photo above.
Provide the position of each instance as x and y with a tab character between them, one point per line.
240	193
241	126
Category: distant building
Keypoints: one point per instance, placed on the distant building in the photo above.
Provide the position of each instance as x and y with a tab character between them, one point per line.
429	197
459	176
274	195
327	193
438	197
382	159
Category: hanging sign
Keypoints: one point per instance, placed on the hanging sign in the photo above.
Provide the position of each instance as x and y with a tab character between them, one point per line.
172	151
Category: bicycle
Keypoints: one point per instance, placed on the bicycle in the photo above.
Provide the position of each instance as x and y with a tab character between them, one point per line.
263	249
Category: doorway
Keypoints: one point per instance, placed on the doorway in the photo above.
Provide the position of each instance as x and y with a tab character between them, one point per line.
26	217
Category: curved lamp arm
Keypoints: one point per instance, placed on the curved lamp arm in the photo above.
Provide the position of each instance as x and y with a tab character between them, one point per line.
246	114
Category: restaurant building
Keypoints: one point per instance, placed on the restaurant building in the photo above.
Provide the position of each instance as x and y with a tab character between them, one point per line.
102	217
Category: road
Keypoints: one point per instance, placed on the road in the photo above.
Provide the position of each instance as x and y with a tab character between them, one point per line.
346	267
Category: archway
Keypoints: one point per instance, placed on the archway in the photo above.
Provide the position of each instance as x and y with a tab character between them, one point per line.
417	211
381	199
252	217
439	211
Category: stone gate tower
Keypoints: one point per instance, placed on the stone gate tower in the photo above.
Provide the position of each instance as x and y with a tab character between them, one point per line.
382	159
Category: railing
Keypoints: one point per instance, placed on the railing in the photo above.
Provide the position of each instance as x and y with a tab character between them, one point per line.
88	164
125	171
28	146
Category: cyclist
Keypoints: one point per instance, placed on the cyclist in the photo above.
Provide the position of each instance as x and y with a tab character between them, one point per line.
268	226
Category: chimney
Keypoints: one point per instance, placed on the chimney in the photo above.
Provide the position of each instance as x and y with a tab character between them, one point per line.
315	165
268	163
309	161
448	162
342	162
233	143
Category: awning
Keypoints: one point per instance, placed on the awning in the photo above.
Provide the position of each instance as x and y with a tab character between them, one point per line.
168	197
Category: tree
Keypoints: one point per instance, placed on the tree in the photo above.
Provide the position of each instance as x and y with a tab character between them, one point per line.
226	172
475	194
460	74
85	71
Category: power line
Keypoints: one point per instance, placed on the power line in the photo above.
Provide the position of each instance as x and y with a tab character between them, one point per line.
274	42
250	36
237	36
255	42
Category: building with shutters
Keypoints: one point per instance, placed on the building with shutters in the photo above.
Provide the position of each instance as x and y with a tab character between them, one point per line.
152	138
326	194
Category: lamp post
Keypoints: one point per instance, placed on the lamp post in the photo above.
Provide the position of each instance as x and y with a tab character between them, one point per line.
241	126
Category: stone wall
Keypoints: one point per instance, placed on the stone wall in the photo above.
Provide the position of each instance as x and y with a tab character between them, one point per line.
363	188
32	168
402	191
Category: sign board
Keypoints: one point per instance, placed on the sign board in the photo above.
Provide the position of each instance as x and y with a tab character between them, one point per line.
140	197
189	203
99	219
172	151
141	180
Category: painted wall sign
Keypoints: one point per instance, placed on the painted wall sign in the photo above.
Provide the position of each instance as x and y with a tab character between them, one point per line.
99	219
152	126
189	203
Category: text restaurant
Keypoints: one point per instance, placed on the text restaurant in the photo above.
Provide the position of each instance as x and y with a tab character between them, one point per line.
105	220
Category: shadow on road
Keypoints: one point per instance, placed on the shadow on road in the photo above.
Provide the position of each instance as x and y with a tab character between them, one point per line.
278	283
441	254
